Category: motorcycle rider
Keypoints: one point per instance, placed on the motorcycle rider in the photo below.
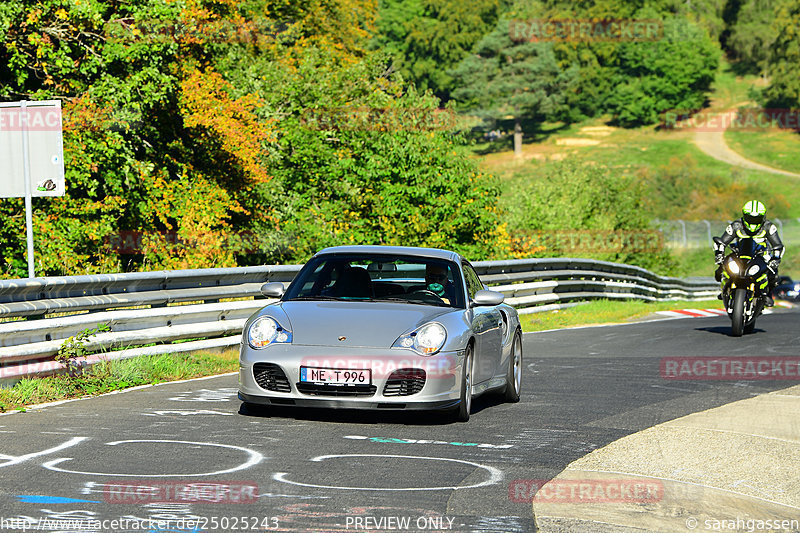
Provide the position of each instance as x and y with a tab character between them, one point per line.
753	224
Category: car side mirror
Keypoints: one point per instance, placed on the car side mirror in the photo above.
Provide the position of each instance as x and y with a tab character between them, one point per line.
485	297
274	289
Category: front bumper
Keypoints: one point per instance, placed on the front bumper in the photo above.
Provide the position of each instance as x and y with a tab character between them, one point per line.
441	389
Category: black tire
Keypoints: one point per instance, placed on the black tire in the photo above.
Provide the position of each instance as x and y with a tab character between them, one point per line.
465	405
514	374
751	326
737	318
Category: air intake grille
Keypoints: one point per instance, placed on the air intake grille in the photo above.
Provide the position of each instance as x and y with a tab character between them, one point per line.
336	390
269	376
405	382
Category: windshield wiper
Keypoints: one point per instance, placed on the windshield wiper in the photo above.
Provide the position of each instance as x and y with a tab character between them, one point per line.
411	301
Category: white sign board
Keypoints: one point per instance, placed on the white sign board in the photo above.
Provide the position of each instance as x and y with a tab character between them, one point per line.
41	122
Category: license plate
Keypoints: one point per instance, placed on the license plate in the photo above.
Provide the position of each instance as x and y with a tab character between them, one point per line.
335	376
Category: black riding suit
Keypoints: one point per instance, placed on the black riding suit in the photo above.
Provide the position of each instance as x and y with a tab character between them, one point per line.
767	235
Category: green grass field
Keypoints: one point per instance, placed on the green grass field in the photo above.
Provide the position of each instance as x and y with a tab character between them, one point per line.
605	312
109	376
773	147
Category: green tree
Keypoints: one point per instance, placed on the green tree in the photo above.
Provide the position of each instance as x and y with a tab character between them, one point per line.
360	160
784	88
576	209
673	73
504	77
635	80
428	38
753	33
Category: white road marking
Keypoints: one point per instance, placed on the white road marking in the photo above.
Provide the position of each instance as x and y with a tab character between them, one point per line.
207	395
12	460
186	412
495	475
254	459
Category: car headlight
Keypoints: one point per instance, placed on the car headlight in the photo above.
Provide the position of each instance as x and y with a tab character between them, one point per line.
265	331
426	340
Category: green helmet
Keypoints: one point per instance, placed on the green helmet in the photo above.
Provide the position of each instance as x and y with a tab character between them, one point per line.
753	215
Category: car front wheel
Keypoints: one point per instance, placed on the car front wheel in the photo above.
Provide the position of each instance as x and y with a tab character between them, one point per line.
465	405
514	374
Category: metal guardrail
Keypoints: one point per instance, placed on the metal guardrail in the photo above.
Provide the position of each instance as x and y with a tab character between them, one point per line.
137	307
699	233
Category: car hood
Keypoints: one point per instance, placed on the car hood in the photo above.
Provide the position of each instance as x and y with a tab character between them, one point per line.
365	324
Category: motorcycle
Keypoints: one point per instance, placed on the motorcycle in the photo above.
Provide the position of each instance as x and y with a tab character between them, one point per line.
745	282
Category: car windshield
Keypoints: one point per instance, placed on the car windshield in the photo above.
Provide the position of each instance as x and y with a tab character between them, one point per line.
379	278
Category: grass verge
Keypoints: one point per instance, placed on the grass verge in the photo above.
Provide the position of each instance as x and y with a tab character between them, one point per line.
773	147
109	376
605	312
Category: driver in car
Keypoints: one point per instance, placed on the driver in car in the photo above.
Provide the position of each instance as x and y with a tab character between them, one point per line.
437	281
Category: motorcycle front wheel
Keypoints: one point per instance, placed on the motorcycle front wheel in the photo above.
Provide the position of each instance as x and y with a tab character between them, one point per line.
751	326
737	318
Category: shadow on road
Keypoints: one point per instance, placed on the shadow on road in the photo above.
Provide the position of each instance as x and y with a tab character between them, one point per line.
363	416
726	330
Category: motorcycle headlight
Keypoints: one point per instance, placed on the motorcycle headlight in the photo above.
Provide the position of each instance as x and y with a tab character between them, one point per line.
733	266
265	331
753	270
426	340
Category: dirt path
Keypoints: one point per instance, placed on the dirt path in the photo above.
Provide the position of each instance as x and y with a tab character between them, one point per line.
713	143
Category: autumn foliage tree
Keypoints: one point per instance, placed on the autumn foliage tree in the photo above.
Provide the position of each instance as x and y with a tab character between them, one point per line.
186	132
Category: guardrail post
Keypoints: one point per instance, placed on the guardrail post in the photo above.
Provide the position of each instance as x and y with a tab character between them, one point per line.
683	226
708	227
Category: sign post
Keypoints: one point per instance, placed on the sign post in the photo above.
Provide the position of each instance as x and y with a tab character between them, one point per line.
31	156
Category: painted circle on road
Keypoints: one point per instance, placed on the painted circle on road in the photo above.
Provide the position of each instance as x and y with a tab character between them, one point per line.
253	458
495	475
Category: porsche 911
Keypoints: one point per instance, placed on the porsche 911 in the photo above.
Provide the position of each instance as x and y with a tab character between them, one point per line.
381	327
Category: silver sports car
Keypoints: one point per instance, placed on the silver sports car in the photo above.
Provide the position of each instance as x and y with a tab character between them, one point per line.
381	327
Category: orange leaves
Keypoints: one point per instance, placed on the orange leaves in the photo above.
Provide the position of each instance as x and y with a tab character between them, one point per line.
206	104
83	114
194	211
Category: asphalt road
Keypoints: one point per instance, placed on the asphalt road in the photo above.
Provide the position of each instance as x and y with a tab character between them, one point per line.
115	457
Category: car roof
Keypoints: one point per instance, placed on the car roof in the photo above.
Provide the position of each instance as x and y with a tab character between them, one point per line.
433	253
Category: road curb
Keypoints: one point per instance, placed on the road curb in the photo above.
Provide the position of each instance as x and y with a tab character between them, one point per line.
737	461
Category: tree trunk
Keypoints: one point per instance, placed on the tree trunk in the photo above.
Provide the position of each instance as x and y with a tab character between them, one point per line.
517	137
